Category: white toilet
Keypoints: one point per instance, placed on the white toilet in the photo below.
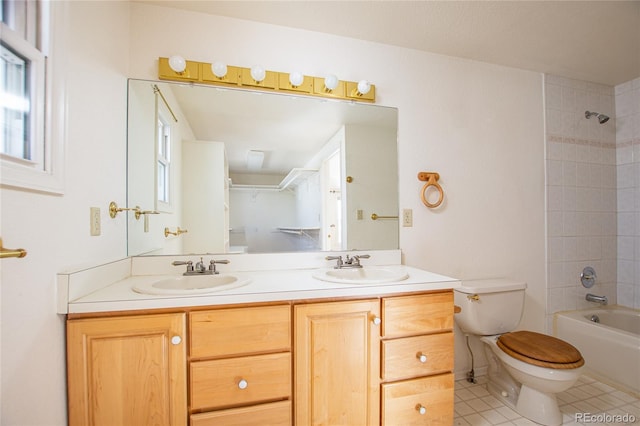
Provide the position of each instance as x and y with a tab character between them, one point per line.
526	369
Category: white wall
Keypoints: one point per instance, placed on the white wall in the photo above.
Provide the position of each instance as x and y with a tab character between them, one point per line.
479	125
55	229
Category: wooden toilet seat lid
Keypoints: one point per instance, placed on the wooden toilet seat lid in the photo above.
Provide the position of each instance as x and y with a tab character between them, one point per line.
540	349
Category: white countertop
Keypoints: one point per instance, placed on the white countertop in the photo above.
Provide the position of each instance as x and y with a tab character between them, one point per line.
263	286
109	287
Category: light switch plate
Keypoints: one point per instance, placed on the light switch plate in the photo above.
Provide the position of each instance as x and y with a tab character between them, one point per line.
94	221
407	217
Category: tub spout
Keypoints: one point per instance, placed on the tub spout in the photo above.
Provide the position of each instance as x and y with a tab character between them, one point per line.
598	299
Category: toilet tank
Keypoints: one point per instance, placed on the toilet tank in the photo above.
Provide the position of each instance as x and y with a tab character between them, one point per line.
489	306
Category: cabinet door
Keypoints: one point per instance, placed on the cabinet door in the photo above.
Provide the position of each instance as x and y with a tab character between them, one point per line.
127	370
337	363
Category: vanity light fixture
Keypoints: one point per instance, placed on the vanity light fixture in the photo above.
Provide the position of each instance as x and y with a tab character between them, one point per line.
177	63
176	68
255	159
296	78
219	69
330	82
363	87
258	73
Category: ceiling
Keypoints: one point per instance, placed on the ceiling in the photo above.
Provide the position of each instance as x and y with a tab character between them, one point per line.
597	41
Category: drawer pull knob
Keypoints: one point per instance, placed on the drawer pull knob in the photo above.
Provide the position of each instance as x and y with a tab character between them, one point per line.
421	409
242	384
377	320
175	340
421	357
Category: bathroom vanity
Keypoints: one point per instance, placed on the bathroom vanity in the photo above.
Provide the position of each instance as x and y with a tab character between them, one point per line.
303	351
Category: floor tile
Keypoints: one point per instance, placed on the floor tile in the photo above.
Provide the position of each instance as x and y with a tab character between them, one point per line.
589	402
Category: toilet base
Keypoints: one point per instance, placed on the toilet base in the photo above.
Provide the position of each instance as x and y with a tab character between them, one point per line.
539	406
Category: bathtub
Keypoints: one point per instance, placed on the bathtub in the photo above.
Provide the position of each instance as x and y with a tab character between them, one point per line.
610	347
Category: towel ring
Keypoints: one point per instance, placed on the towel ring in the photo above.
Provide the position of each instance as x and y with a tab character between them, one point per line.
432	180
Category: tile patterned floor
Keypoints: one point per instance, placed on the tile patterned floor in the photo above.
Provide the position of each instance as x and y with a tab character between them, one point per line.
588	402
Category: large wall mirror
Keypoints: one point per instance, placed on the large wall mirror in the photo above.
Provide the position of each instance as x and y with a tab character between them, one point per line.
216	170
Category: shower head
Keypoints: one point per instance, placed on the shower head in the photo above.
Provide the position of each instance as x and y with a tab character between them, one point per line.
601	117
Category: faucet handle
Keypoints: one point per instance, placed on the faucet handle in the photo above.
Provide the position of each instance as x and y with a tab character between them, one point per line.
338	258
212	265
183	262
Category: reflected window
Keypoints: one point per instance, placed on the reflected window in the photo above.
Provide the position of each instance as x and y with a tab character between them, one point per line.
164	159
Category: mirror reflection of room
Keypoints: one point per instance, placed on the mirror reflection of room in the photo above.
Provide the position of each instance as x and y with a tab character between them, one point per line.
245	172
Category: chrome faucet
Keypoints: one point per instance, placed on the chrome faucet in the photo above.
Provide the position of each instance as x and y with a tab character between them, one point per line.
349	262
199	268
598	299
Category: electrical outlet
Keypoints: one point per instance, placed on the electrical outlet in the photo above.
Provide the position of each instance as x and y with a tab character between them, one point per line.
407	217
94	221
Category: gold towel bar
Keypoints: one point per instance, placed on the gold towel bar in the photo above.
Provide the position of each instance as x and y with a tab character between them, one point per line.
178	231
4	253
376	217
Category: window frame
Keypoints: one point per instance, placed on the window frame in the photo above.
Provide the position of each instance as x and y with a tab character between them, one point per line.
163	116
46	172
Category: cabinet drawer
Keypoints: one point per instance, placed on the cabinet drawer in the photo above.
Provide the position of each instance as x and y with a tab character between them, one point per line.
417	356
218	383
402	401
237	331
411	315
273	414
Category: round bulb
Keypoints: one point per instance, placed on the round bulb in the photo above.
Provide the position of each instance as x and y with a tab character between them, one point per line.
331	82
296	79
219	69
177	63
258	73
364	87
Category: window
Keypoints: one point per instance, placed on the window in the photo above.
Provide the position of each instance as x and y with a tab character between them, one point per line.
27	154
163	133
22	79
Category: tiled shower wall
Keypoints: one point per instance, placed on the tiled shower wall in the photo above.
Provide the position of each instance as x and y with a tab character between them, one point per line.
627	102
581	192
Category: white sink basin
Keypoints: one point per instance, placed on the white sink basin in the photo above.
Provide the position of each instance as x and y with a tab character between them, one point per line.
190	284
364	275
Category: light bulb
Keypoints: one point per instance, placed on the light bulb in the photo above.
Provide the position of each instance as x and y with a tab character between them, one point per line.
296	79
364	87
330	82
258	73
219	69
177	63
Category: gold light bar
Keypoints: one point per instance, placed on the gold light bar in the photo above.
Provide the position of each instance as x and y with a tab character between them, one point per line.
200	72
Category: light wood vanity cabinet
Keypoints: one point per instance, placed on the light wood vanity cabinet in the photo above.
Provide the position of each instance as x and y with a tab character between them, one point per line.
417	359
128	370
382	361
240	366
337	363
372	361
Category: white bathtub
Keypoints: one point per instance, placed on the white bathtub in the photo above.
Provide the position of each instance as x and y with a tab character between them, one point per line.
611	348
